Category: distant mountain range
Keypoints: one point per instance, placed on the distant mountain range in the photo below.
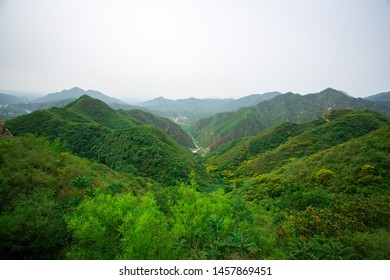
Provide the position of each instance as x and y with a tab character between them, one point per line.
74	93
380	97
190	109
11	106
193	108
220	128
8	99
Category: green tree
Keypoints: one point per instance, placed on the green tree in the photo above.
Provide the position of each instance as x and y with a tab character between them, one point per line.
81	182
95	226
323	176
145	232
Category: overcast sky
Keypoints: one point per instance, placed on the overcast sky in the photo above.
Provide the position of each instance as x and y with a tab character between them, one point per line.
178	49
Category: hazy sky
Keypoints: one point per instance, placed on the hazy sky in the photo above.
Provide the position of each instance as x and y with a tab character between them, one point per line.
178	49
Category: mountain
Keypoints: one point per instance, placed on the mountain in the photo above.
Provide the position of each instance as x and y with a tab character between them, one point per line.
212	132
92	129
75	93
170	128
11	107
333	99
193	108
8	108
329	199
8	99
250	100
380	97
99	112
289	141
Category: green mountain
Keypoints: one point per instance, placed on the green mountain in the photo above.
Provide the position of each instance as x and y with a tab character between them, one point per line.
194	109
97	111
380	97
172	129
288	142
324	182
90	128
214	131
223	127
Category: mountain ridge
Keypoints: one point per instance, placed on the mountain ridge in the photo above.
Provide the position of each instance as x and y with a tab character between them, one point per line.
272	148
75	93
220	128
379	97
195	108
92	129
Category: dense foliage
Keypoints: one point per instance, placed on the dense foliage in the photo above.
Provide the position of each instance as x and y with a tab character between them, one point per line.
313	190
39	184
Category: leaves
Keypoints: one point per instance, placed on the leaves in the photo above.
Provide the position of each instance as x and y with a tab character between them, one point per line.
81	182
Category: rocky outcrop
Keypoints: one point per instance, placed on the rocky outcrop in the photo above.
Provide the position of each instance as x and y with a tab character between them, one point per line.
3	131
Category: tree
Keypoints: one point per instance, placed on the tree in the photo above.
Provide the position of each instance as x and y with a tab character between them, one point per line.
323	176
145	232
81	182
95	226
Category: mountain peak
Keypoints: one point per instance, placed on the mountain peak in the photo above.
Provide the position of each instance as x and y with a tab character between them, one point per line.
160	98
87	101
330	90
75	93
75	88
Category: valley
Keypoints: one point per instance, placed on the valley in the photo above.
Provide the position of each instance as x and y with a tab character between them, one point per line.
268	176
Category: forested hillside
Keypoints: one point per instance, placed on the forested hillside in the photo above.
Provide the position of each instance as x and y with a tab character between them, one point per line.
40	184
221	128
169	127
96	183
290	141
90	128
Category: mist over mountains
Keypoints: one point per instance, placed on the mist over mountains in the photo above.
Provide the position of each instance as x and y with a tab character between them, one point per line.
12	106
75	93
189	109
194	108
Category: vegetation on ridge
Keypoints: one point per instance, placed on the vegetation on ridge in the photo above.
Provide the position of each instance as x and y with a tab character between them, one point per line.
289	107
90	128
307	190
